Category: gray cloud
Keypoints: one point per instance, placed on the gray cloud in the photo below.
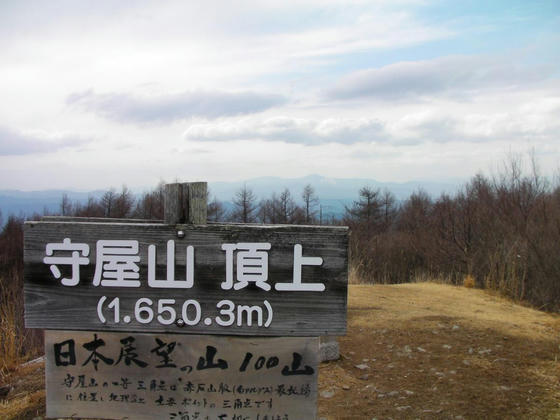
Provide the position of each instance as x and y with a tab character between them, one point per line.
539	122
124	107
455	75
291	130
521	125
12	143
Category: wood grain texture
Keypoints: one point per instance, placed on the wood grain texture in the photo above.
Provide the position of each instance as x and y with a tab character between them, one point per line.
185	203
97	220
196	203
174	210
50	305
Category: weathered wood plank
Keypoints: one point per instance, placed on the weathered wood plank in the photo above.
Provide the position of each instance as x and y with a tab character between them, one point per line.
97	220
174	209
197	202
51	305
137	377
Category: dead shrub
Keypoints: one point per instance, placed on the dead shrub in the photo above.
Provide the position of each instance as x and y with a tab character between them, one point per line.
11	340
469	281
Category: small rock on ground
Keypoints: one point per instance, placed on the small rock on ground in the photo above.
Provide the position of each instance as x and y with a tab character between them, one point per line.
327	394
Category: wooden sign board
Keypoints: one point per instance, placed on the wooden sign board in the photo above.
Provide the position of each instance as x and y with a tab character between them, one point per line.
206	279
179	377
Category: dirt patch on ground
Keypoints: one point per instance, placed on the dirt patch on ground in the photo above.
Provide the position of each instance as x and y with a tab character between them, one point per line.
418	351
431	351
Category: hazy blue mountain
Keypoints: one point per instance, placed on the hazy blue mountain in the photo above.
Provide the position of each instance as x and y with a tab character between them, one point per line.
334	193
326	188
25	203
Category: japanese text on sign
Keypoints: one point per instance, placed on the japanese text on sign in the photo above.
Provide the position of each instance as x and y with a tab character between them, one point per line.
211	279
173	377
117	265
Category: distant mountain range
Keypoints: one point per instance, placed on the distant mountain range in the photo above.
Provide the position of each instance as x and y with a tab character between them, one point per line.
26	203
334	193
327	188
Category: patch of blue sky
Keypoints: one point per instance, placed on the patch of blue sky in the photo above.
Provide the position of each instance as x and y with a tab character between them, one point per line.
494	24
536	11
286	19
477	28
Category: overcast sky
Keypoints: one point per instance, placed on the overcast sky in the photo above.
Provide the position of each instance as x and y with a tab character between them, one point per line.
103	93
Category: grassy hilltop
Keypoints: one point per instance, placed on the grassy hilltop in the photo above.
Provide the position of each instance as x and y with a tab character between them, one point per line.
431	351
420	350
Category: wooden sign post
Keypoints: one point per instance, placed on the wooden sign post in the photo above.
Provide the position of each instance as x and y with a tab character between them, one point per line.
131	288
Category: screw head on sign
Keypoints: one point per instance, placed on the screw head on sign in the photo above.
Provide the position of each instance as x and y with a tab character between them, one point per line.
180	234
180	323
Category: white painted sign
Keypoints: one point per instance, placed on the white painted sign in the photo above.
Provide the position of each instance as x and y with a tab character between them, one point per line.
211	279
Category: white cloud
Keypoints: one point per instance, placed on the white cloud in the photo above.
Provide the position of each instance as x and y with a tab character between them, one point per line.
454	75
197	45
13	143
165	108
185	90
291	130
378	30
523	116
447	122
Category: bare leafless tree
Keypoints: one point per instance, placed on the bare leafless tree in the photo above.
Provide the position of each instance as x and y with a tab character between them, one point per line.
108	202
310	202
65	205
124	203
244	205
216	211
285	207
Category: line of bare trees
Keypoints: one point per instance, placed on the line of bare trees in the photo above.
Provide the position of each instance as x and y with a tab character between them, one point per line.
17	342
277	209
502	231
118	204
245	206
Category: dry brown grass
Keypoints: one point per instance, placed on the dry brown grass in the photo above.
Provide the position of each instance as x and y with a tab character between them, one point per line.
11	343
469	281
17	344
478	308
26	399
26	406
354	276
